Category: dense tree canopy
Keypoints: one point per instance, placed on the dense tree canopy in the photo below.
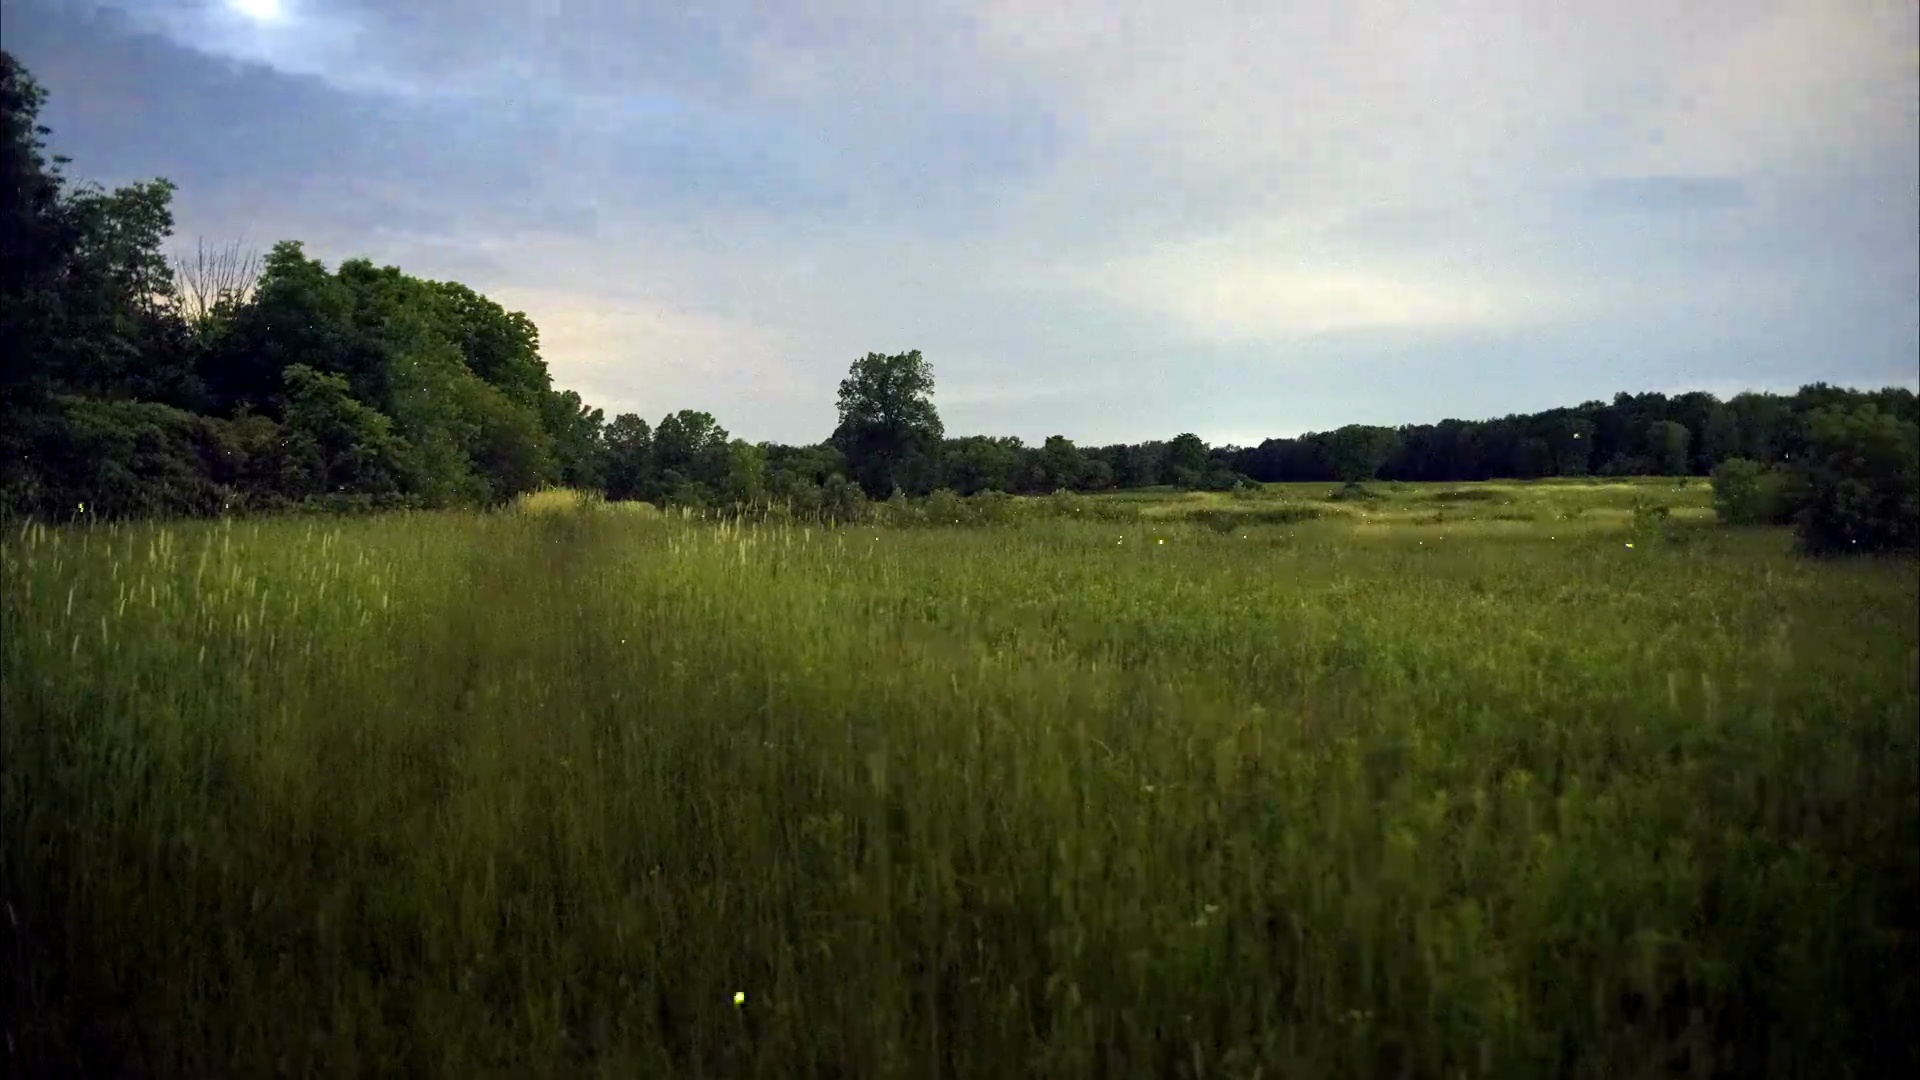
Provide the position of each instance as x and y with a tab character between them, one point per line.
232	383
889	429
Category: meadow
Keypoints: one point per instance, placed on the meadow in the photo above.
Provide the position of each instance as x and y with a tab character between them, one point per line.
1559	778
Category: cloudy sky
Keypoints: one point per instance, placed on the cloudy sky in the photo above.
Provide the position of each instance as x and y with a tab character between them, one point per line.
1113	220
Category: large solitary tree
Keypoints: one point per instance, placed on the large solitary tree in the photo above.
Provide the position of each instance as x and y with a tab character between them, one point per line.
889	429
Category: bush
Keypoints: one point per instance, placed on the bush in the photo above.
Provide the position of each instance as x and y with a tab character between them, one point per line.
1861	471
1228	521
995	507
841	500
1748	493
122	459
1222	480
1651	522
1067	504
945	507
1352	491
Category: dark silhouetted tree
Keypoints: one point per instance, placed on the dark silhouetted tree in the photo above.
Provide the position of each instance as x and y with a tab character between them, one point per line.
887	416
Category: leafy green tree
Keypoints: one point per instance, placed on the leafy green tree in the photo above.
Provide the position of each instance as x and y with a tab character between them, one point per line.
1760	423
630	472
433	408
115	459
340	444
690	457
579	440
744	479
1746	492
1862	470
1098	475
1186	460
511	451
501	346
1359	450
37	239
1061	464
685	441
978	463
1570	445
1719	438
259	464
1669	442
1142	465
121	334
300	314
887	416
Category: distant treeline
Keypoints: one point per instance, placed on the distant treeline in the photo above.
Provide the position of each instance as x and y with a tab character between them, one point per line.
135	385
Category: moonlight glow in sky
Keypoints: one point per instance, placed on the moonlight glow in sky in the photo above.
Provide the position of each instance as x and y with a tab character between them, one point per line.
1110	219
260	10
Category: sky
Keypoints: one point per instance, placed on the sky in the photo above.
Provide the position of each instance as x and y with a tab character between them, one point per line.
1114	221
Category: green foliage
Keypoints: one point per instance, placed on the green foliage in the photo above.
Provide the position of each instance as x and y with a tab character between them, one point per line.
1652	522
743	477
120	459
1353	491
1185	460
338	444
1748	493
1222	479
37	241
946	507
1359	450
1238	521
978	463
887	419
510	449
1669	443
691	457
357	386
1737	495
500	346
629	457
1862	476
579	440
117	333
841	500
1060	464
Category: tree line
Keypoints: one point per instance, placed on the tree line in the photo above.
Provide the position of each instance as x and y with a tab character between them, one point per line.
138	385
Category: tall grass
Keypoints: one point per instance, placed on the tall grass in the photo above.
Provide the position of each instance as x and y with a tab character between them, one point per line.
547	793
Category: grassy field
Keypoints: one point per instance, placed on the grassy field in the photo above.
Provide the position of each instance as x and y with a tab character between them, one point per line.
1464	780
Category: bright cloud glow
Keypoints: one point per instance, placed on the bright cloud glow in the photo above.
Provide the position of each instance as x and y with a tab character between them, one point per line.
259	10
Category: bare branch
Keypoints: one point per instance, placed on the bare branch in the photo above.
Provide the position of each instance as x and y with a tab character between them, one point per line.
214	277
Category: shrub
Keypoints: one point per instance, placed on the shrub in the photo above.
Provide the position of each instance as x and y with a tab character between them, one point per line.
945	507
841	500
1862	482
1651	521
1748	493
123	459
1231	520
1352	491
1067	504
994	507
1222	480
